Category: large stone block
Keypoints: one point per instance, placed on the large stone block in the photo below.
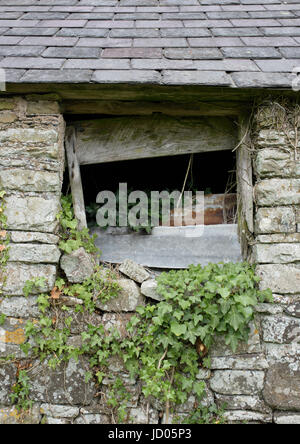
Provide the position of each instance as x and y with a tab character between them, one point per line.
129	299
280	329
243	402
279	278
28	136
240	416
11	415
275	220
34	253
8	374
270	192
20	307
282	387
252	346
21	237
65	385
29	180
17	274
237	382
277	163
242	362
12	332
271	138
283	354
32	213
276	253
287	418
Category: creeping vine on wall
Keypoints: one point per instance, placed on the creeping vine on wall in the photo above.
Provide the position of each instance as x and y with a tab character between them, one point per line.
166	343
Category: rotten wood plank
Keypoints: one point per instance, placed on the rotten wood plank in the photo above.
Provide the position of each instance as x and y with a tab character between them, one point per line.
75	178
126	138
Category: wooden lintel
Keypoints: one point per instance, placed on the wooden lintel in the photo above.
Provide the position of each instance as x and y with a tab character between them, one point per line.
127	138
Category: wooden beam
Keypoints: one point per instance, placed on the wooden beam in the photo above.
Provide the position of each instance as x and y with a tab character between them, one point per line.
125	138
75	178
245	186
121	108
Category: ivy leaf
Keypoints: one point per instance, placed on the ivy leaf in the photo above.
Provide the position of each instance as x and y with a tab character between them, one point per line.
178	329
235	319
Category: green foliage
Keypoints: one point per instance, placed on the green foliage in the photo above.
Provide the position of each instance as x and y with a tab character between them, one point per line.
20	392
71	237
205	415
2	319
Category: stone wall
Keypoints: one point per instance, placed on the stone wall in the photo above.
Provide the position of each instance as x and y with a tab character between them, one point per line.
259	383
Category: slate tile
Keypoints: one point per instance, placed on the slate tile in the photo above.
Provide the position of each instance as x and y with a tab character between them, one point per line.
161	43
31	63
214	78
105	43
49	41
262	80
269	41
215	42
250	53
71	53
132	53
290	53
98	64
131	76
32	31
57	76
236	32
278	65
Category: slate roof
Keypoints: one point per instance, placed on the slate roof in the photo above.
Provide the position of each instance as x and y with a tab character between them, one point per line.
232	43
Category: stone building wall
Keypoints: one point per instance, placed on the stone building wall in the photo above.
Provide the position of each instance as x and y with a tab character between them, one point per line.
259	383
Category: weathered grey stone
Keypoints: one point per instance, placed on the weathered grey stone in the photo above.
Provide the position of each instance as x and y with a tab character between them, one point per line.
12	333
286	418
271	192
272	309
278	238
18	274
282	387
29	135
8	373
283	354
271	138
34	253
149	289
246	417
42	107
93	419
21	237
203	374
8	117
275	220
10	415
280	329
56	421
29	180
117	321
32	213
276	253
243	402
237	382
20	307
275	162
77	265
252	346
134	271
128	300
293	310
139	416
242	362
279	278
79	320
57	411
65	385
